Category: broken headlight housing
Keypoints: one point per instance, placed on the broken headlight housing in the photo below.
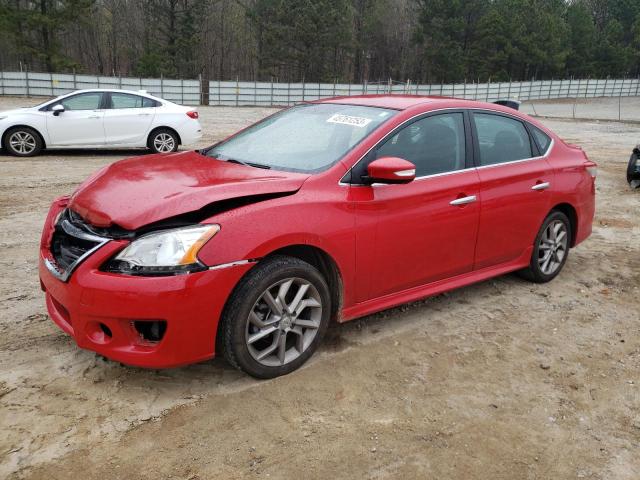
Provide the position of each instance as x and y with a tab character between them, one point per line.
166	252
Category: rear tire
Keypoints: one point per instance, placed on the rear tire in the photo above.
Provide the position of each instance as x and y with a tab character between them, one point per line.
23	142
550	250
275	318
163	140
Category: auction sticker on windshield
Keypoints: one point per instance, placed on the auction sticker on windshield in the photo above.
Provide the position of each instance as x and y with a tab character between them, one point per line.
349	120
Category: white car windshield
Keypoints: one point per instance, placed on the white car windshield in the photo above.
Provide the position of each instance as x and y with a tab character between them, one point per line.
306	138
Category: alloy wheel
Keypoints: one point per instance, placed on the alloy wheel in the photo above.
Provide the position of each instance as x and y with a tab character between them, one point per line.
553	247
22	142
283	322
164	143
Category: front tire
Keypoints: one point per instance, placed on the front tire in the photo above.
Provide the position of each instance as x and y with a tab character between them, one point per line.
276	317
163	140
23	142
550	250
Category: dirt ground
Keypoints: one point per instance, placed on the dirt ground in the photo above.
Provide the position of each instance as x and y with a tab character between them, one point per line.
622	108
500	380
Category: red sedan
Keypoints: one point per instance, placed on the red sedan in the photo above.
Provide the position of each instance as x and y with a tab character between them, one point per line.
326	211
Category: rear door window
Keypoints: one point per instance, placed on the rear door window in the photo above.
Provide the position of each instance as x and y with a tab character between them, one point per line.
501	139
125	100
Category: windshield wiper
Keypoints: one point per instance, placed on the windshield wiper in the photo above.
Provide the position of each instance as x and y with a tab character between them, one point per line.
248	164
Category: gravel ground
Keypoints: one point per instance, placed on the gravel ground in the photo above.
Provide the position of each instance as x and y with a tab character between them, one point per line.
501	380
622	108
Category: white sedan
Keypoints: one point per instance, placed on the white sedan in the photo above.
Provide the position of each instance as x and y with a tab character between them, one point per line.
99	119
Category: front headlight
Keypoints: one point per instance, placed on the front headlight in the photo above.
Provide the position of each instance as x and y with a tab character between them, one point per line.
167	252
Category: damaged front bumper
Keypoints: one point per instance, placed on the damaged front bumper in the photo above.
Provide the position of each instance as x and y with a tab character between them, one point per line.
153	322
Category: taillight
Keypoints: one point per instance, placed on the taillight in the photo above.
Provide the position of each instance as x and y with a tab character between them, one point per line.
592	169
193	114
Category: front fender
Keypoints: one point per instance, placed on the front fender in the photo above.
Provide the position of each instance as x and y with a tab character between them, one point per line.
39	125
254	231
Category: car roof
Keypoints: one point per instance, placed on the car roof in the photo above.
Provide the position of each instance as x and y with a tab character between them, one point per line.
405	102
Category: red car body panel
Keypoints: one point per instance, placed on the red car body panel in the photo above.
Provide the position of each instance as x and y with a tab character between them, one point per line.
511	213
390	244
416	239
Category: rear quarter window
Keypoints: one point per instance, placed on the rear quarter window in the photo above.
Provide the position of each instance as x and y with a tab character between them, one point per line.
542	139
148	103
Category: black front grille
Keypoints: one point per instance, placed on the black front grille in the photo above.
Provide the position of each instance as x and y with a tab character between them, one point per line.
67	249
70	243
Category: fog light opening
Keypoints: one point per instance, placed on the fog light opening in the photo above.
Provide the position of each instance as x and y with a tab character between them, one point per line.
62	311
151	331
106	330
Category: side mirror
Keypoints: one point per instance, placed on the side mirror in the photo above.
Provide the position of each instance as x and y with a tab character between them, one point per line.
391	170
57	109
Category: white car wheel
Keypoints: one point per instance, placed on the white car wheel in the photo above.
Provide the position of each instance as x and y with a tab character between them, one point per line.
163	141
23	142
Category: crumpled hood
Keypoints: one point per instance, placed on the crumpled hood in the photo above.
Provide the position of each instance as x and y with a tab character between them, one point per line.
138	191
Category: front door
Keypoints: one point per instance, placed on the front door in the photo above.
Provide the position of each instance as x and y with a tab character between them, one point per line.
81	123
413	234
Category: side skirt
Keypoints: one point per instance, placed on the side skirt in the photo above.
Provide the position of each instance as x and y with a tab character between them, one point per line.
417	293
100	146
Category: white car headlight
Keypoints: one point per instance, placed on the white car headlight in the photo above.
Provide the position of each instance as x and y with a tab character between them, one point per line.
167	252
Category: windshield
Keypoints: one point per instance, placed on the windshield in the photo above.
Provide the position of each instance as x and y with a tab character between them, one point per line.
42	103
51	100
306	138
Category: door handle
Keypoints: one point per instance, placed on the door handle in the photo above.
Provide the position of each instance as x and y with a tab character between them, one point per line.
144	114
463	200
94	117
541	186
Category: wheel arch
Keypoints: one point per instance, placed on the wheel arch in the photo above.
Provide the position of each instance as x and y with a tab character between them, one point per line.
325	264
155	129
316	257
21	125
571	213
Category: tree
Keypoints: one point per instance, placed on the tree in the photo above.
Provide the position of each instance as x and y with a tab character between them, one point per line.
613	57
582	35
171	37
446	31
34	28
302	39
325	40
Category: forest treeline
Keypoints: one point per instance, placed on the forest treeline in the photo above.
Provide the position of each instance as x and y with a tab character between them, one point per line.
324	40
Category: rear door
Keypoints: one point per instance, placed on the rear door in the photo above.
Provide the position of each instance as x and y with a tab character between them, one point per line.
81	123
128	119
514	188
414	234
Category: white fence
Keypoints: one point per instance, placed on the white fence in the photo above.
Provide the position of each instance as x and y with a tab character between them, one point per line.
190	92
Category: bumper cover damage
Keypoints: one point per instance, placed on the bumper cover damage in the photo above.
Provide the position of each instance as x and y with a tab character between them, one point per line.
114	315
